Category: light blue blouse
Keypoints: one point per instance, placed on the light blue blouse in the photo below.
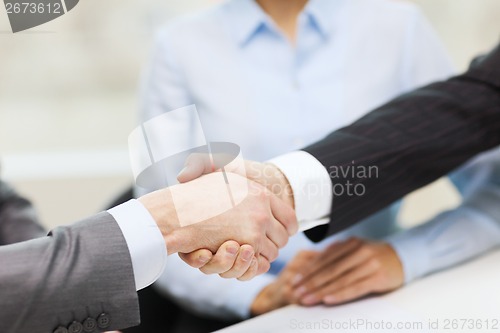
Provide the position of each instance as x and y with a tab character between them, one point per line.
253	88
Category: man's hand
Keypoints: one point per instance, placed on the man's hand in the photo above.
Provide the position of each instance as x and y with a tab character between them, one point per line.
279	293
349	270
230	261
261	221
266	174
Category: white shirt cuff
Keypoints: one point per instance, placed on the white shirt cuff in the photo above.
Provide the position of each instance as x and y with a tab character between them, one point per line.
311	185
144	240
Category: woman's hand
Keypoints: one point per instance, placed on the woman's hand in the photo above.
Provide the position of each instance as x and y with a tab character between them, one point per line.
348	270
280	292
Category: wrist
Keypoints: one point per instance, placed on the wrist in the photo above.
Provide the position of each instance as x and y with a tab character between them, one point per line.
279	185
258	306
161	207
264	303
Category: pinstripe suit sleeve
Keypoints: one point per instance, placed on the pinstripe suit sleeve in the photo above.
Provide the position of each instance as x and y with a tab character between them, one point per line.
411	141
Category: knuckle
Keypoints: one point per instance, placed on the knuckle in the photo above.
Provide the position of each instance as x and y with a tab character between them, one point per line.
261	218
264	217
255	239
366	251
374	263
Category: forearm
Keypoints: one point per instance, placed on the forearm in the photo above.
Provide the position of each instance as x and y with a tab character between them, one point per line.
463	233
411	141
449	239
69	275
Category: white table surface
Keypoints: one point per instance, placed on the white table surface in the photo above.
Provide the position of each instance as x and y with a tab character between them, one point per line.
463	299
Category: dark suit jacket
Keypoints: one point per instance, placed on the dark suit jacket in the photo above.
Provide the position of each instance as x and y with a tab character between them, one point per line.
18	219
79	276
411	141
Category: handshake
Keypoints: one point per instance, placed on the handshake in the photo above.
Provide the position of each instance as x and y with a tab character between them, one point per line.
239	242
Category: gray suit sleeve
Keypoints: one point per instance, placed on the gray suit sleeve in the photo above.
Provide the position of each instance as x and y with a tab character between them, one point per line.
18	219
79	274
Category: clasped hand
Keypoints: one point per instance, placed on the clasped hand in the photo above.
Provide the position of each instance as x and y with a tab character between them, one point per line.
240	242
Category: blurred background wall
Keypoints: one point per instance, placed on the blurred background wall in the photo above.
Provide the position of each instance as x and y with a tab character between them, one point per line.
68	97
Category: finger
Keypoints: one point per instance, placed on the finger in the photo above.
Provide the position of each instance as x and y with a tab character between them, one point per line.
331	254
263	265
352	292
197	259
196	165
277	233
293	270
301	260
242	264
361	272
287	294
252	270
223	260
284	214
269	250
338	250
332	272
305	256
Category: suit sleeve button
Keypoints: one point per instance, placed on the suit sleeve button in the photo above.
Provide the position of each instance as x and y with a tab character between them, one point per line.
75	327
104	320
89	325
61	329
